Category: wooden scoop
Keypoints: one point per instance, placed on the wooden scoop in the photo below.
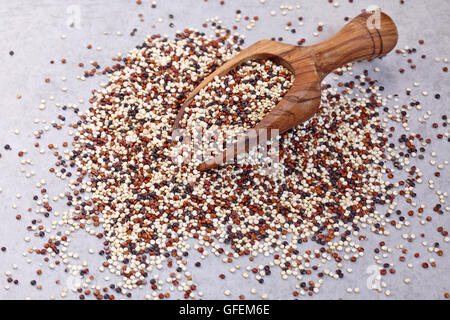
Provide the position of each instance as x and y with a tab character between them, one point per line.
368	36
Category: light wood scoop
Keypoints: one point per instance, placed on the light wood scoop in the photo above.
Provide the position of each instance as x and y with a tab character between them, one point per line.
366	37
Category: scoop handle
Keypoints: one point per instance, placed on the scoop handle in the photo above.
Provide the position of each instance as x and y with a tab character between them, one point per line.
368	36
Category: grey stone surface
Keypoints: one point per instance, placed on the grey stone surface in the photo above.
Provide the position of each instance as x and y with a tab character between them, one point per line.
33	29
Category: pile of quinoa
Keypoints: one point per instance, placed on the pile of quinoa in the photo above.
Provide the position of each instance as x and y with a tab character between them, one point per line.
329	176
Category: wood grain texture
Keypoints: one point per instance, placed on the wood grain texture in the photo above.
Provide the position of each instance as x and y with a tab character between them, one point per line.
366	37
